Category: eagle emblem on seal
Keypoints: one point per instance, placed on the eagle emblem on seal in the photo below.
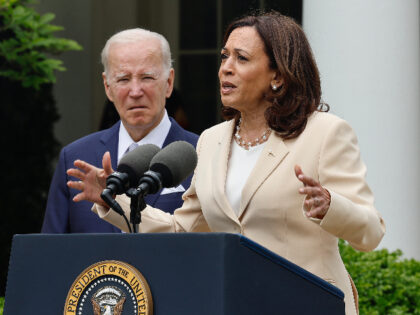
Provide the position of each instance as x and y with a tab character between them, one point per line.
108	301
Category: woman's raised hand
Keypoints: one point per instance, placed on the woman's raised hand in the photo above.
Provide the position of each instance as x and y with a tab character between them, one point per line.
92	180
318	199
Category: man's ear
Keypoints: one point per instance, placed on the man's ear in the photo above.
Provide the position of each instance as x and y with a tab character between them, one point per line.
170	83
106	86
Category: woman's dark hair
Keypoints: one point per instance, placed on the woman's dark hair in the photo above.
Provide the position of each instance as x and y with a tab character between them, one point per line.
290	54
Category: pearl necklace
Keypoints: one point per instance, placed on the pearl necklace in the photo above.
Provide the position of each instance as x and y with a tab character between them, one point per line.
249	144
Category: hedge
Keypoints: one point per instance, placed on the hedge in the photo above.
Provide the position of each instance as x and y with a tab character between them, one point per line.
387	284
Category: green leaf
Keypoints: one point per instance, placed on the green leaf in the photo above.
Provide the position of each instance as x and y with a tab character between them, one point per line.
47	18
27	41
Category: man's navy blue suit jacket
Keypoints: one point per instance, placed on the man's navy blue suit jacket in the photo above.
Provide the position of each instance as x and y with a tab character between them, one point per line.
63	215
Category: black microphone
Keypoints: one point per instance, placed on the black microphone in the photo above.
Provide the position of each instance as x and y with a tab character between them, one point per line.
169	167
130	168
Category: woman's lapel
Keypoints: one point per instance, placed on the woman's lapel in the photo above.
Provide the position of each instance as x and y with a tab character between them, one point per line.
220	167
273	153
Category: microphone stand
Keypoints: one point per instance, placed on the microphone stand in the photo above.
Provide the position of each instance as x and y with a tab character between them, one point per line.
150	183
137	205
107	196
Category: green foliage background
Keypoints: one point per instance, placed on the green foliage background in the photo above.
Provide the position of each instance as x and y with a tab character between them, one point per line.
27	116
387	284
27	43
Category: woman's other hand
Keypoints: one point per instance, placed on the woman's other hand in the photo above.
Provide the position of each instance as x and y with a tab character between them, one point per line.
318	199
92	180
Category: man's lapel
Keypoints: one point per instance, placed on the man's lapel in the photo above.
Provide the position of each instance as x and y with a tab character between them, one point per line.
109	142
173	135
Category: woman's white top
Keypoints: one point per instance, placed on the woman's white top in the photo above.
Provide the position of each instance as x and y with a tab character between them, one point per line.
241	162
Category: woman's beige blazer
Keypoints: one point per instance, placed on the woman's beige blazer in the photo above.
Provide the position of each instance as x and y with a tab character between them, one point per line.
271	211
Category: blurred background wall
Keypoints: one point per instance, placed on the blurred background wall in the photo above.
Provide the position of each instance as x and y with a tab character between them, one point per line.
368	53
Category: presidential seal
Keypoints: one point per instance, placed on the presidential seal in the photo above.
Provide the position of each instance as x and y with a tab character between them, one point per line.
109	288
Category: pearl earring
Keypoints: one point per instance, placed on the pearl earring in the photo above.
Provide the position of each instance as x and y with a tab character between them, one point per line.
274	87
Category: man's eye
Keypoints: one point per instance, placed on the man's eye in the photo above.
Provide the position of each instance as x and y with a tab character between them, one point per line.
122	80
148	78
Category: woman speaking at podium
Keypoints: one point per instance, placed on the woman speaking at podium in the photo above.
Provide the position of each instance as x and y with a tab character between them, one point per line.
280	170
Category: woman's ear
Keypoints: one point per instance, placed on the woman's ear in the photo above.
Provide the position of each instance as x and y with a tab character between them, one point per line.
277	81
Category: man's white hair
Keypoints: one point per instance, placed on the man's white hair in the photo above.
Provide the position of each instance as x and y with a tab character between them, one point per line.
137	35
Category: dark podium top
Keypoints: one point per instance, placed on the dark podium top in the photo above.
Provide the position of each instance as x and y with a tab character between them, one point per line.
188	273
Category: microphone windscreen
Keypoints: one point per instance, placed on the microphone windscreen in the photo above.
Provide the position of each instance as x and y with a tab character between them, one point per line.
135	163
175	163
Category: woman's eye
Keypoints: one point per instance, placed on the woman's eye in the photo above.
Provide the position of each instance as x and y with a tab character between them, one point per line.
242	58
223	56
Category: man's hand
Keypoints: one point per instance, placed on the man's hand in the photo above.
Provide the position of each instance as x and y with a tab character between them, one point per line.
92	180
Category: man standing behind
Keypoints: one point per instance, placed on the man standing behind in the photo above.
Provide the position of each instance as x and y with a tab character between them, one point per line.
138	77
